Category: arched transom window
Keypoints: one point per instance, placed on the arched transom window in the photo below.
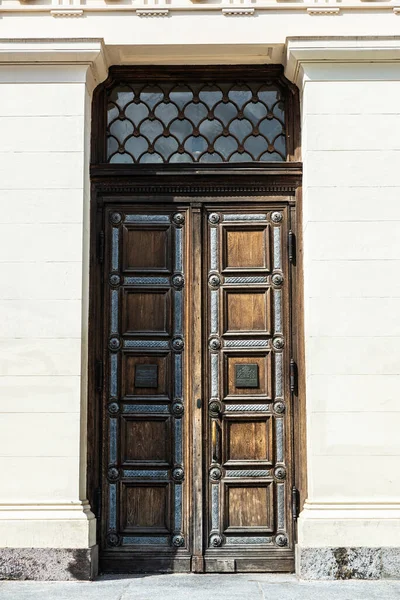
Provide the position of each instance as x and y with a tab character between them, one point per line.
205	122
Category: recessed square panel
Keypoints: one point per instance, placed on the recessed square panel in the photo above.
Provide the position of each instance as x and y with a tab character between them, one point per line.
251	371
145	508
245	248
130	377
248	439
249	507
147	249
247	311
147	312
145	440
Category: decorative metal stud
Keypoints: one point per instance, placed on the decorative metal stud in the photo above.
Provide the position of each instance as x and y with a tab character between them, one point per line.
214	218
214	344
178	474
178	541
215	408
178	219
116	218
113	408
279	407
178	281
214	280
113	474
113	539
278	343
216	540
114	344
280	473
215	473
276	217
277	279
115	279
177	409
177	344
281	540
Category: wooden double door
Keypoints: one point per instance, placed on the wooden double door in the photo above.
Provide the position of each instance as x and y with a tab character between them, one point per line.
197	468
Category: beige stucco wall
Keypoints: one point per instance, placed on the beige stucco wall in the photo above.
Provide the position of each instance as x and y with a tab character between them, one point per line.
350	141
351	227
44	131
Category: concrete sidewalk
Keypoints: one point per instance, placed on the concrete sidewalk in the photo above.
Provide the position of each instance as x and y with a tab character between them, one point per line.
201	587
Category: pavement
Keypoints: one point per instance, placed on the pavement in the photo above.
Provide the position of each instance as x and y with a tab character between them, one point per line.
252	586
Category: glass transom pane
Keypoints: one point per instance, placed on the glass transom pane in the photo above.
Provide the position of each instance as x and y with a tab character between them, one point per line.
210	122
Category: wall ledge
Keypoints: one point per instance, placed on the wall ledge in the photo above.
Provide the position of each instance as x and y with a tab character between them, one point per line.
302	51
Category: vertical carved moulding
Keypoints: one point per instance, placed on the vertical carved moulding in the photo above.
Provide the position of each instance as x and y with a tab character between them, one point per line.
115	219
179	250
215	507
115	249
214	262
178	312
214	297
278	374
278	327
178	507
178	294
214	346
112	510
214	376
213	249
178	376
112	487
277	261
178	441
280	492
114	312
113	375
279	436
113	454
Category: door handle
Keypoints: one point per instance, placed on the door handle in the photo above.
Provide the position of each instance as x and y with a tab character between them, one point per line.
214	440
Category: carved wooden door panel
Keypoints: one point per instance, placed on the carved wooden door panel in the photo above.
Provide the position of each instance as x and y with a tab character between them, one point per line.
162	509
249	471
145	523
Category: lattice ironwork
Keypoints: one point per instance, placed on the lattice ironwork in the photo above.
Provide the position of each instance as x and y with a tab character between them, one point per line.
190	123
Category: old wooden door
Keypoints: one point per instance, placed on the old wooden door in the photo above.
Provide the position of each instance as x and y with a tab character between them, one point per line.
197	459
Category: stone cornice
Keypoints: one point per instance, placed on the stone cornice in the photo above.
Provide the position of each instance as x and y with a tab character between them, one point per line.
78	8
303	51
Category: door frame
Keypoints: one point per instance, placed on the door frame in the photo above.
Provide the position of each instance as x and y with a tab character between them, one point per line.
195	184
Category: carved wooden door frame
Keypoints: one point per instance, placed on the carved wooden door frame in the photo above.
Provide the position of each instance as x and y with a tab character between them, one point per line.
194	184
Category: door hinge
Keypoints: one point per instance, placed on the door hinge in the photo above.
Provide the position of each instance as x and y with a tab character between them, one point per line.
97	503
100	247
293	376
99	375
295	503
292	247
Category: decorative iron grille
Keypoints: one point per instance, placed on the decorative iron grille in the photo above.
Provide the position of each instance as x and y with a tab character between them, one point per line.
195	123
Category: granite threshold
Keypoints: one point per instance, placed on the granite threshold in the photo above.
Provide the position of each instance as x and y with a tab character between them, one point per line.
348	563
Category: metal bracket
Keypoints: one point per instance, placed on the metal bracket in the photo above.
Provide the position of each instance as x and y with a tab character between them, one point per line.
293	376
99	375
292	247
295	503
100	248
97	503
